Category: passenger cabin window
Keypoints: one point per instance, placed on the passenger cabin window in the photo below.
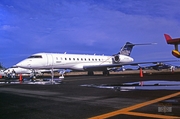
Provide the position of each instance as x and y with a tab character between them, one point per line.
69	58
73	58
35	56
65	58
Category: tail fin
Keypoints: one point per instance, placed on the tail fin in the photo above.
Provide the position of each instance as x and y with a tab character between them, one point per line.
127	48
167	37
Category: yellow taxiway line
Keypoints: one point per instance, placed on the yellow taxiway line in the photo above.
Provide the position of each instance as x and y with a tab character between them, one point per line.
127	109
151	115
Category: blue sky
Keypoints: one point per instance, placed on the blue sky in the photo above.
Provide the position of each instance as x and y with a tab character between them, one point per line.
87	27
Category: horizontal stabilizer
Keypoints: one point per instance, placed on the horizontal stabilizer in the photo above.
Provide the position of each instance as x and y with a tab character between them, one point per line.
145	44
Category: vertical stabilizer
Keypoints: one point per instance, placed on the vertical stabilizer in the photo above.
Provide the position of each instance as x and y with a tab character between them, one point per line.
167	37
126	49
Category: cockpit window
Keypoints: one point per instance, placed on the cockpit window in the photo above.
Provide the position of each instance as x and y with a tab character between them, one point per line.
35	56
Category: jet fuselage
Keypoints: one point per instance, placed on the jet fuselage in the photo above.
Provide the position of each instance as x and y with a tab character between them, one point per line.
70	61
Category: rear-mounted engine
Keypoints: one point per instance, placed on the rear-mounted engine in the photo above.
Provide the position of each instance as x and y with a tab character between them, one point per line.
116	58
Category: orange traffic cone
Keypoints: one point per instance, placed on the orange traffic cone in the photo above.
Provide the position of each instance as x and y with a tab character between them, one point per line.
20	77
141	72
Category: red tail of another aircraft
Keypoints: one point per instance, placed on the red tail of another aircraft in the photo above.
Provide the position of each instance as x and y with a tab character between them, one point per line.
167	37
175	42
169	40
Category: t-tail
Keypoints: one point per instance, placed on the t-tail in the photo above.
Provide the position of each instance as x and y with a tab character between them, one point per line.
127	48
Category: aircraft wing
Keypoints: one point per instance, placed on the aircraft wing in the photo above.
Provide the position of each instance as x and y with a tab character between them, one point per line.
104	67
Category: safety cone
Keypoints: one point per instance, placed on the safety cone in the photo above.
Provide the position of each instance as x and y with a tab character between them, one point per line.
141	72
20	77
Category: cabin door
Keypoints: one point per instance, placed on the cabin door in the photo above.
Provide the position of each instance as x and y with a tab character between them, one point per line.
49	60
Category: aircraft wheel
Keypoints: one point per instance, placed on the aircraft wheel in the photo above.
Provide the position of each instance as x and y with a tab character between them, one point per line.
90	73
106	73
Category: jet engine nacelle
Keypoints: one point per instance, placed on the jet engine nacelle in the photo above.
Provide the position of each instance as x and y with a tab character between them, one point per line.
116	59
176	53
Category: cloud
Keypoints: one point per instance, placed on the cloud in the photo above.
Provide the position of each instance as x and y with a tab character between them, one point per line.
8	28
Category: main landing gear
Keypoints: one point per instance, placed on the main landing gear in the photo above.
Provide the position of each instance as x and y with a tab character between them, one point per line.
106	73
90	73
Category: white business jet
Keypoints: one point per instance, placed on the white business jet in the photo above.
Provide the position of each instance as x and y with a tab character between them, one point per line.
81	62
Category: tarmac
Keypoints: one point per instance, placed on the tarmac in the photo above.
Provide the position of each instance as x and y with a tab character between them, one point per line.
70	100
